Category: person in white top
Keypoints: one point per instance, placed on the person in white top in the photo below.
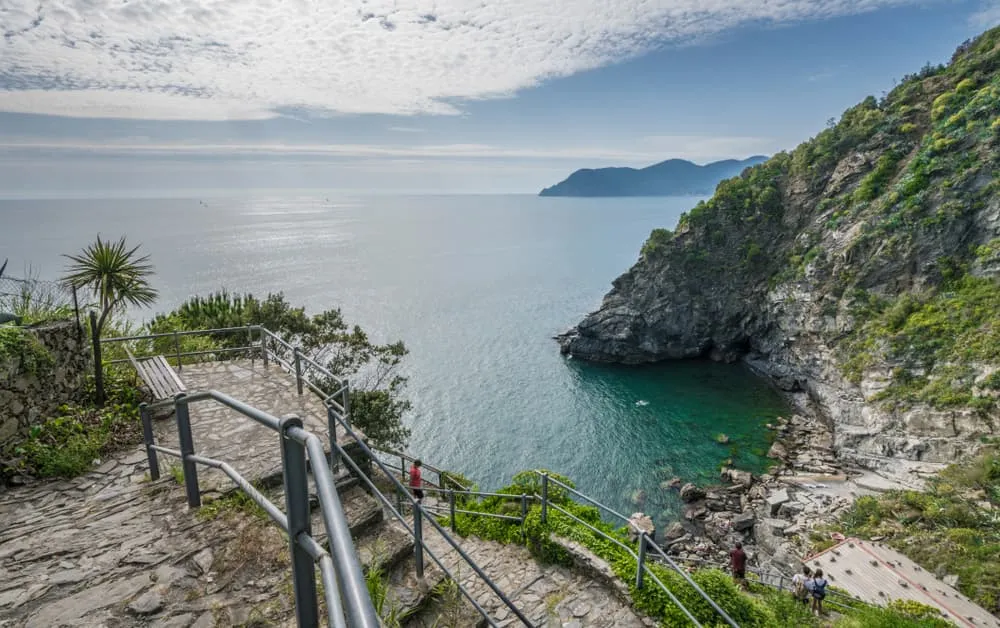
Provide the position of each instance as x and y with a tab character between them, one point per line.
799	585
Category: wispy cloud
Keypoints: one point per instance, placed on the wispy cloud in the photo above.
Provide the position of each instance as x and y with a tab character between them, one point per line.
221	59
648	150
988	15
406	129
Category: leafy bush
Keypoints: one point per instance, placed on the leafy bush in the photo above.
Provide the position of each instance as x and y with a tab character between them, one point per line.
377	401
657	242
937	335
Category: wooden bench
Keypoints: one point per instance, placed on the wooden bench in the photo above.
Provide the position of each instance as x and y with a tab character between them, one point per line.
157	373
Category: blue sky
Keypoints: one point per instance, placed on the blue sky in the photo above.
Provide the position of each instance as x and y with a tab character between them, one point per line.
454	96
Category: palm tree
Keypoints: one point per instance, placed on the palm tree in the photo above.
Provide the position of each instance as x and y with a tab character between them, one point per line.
118	278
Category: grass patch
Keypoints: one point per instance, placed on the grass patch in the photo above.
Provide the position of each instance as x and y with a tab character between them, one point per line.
22	347
236	503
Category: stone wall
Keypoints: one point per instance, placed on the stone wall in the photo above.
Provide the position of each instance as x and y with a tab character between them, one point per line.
35	380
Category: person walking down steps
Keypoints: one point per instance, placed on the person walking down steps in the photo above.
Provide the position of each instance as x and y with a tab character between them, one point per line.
818	591
416	482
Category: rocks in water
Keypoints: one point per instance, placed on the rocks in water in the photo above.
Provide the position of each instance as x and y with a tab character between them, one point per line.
691	493
778	451
722	439
638	497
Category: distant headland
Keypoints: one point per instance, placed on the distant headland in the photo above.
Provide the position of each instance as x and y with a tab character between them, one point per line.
674	177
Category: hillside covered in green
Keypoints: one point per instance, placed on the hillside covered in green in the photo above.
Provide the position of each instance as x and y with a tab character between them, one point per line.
860	270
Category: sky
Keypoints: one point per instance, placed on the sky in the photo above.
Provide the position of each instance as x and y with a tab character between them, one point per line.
162	96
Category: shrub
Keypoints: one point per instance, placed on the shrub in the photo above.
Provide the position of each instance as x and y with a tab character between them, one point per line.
657	242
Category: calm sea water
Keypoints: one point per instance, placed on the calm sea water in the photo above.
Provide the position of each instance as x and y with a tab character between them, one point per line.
476	286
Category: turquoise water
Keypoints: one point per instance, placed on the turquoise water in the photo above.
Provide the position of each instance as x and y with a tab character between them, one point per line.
476	286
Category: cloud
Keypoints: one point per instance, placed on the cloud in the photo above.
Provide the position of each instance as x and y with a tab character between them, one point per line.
988	16
406	129
222	59
649	150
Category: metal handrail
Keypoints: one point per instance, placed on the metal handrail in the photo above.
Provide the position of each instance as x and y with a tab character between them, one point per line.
353	605
642	542
419	516
402	468
338	417
412	532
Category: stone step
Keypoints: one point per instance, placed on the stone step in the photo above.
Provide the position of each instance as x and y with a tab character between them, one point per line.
361	509
409	595
447	608
384	546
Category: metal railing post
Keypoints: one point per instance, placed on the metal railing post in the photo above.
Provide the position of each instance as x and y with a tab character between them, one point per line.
347	403
545	498
177	350
451	508
298	370
293	462
331	422
187	450
263	347
250	343
524	514
418	538
641	562
147	437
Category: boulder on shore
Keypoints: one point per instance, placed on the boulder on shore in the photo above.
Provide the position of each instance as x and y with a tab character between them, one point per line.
691	493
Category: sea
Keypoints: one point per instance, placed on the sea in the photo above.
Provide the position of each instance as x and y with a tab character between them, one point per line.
476	286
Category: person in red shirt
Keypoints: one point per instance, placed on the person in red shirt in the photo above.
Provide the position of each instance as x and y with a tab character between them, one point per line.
416	482
738	562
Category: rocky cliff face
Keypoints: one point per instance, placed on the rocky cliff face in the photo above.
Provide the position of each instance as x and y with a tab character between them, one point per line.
861	271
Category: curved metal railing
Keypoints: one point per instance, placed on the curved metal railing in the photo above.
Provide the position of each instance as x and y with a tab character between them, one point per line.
345	589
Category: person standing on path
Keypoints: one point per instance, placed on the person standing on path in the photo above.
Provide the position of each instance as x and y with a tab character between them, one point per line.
799	580
818	591
416	482
738	562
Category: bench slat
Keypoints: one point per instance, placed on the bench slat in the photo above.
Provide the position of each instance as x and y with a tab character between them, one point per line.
160	377
147	376
172	375
155	373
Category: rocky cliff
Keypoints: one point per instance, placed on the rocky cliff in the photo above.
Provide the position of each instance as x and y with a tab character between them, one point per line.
860	271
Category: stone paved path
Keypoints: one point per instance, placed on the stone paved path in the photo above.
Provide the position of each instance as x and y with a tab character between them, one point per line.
224	434
78	552
549	595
